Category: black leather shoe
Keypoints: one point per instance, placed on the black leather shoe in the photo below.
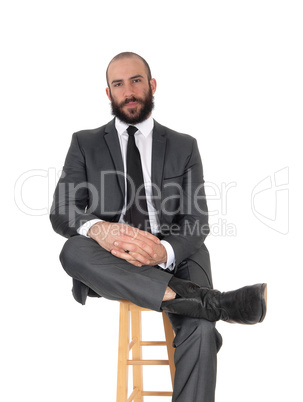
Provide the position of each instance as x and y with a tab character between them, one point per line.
244	306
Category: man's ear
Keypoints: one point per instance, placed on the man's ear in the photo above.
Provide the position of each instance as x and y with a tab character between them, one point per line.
153	85
108	93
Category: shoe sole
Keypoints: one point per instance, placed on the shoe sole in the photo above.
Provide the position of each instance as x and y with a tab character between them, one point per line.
263	301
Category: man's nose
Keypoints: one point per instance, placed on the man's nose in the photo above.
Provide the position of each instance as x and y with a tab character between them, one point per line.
128	90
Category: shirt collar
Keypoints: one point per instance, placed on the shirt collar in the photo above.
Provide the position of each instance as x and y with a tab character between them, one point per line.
145	127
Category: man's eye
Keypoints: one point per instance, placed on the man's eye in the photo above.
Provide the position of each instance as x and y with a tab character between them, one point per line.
137	80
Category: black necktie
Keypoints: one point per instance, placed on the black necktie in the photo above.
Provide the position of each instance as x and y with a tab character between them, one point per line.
136	210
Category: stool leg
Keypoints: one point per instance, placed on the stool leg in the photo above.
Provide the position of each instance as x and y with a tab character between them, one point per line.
169	336
137	353
123	353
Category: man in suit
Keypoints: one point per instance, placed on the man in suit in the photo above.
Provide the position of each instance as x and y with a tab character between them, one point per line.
131	202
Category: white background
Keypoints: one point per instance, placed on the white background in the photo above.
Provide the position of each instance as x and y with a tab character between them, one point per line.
230	74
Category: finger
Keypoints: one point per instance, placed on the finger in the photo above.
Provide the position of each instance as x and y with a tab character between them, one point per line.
142	235
127	257
142	241
135	252
139	234
137	247
135	263
140	258
147	247
131	256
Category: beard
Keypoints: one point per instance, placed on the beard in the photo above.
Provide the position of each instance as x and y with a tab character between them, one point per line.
135	115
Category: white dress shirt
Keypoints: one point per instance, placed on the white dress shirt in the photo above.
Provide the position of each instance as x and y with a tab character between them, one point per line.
143	139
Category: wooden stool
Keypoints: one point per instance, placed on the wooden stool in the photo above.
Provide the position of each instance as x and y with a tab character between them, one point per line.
129	310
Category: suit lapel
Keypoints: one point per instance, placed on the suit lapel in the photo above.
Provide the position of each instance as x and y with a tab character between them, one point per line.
158	157
112	141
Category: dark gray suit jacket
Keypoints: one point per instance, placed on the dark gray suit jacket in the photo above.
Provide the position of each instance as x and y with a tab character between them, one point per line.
92	186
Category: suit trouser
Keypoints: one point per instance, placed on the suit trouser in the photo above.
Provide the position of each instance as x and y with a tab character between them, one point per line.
197	341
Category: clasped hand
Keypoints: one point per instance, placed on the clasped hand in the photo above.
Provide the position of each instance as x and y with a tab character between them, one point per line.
128	243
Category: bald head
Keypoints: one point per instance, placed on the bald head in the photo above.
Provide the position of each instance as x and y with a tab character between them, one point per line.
125	55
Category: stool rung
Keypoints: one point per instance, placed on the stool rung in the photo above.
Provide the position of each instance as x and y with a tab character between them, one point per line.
145	343
153	343
148	362
147	393
155	393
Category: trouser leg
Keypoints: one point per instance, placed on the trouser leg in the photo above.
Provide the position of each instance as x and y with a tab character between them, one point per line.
83	259
197	342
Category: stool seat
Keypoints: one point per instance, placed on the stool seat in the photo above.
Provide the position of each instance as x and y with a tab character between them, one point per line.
130	316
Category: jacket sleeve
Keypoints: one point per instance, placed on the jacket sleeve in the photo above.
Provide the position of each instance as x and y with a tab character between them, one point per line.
71	198
190	226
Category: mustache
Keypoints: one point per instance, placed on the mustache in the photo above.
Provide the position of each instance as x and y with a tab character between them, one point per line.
132	99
